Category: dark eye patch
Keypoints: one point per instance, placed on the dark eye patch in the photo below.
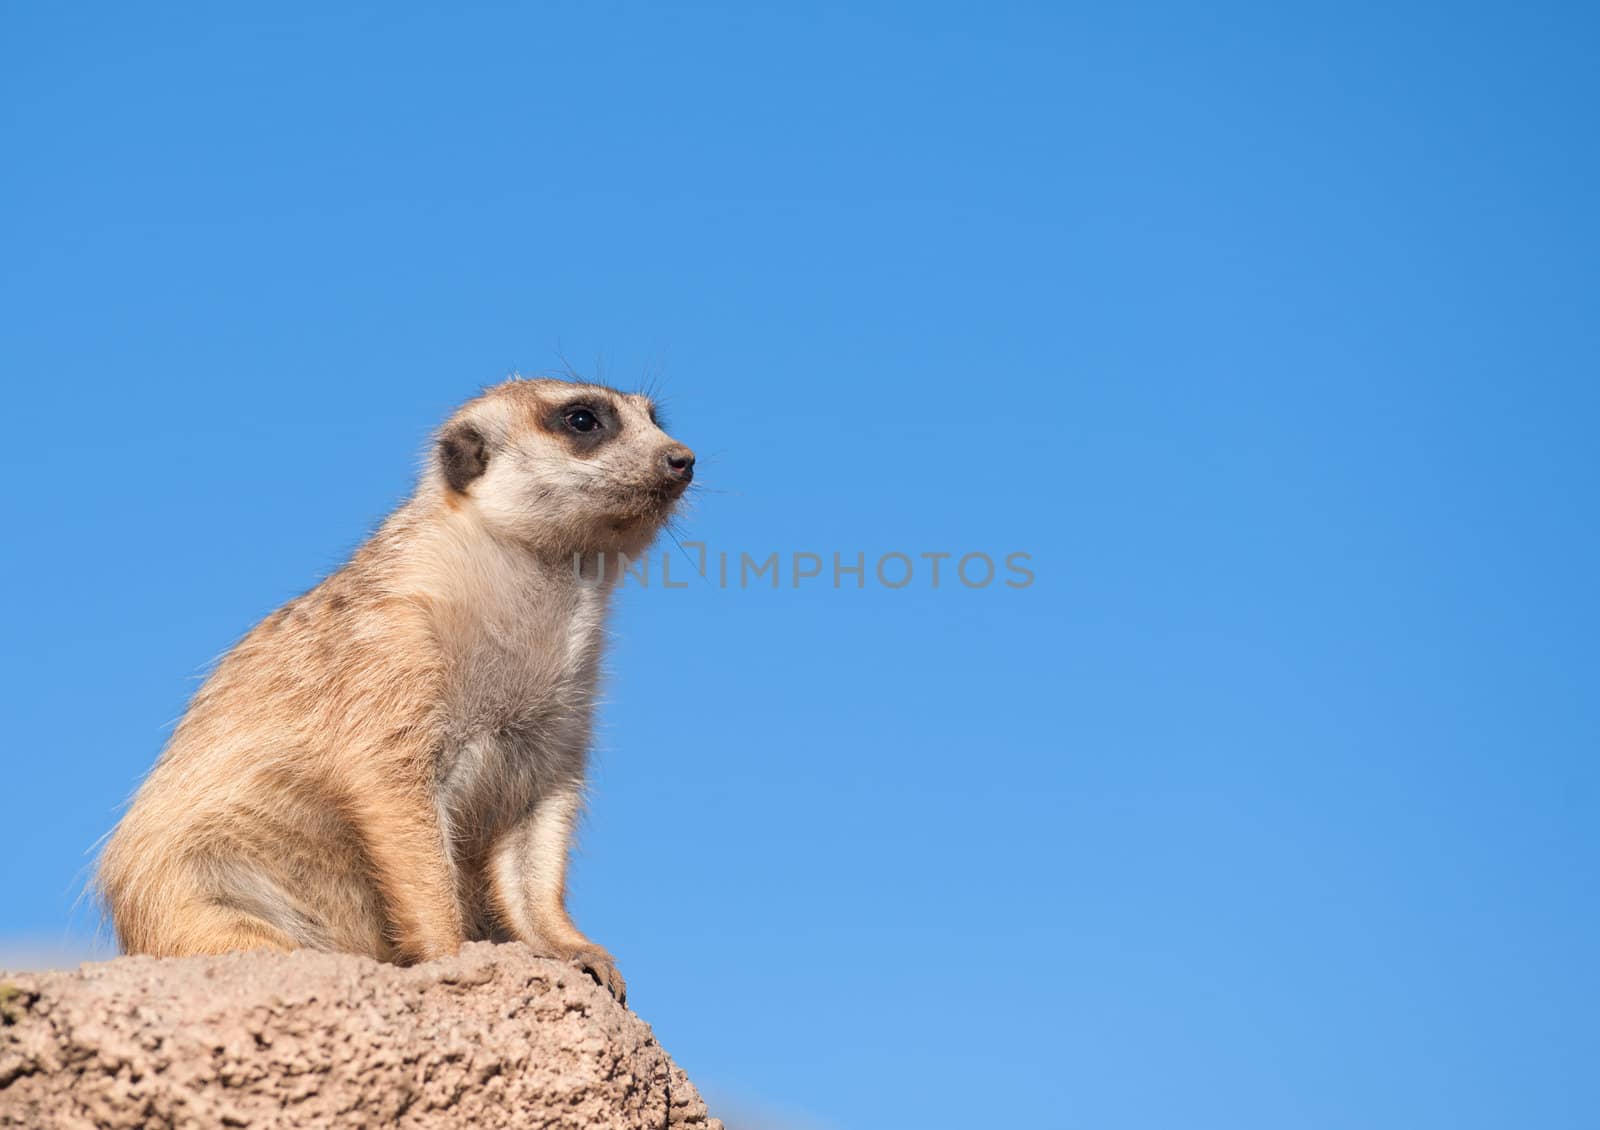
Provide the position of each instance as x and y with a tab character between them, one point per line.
584	424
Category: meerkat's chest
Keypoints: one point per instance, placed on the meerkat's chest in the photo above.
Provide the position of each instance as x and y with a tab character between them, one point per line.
518	706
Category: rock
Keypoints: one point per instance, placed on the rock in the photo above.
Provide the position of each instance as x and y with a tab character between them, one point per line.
495	1036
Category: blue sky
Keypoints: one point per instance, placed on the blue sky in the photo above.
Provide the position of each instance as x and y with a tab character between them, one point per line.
1268	331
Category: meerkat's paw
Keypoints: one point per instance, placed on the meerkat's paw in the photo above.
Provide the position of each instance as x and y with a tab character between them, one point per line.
599	964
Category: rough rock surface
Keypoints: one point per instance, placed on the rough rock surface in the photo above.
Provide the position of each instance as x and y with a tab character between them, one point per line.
495	1036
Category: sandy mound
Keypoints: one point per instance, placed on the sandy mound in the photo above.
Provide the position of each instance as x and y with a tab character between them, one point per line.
494	1036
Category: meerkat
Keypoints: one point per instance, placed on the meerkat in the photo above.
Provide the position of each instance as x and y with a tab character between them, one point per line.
393	763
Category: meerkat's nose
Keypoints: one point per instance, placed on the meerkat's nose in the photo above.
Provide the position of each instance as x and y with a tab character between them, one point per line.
678	462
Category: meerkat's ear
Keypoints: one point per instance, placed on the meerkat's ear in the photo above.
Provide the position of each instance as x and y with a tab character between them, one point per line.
463	455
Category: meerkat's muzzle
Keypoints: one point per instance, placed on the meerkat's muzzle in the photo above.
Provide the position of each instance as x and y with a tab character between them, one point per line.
677	464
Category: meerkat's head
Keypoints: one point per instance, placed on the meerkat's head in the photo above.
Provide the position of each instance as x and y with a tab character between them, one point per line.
563	467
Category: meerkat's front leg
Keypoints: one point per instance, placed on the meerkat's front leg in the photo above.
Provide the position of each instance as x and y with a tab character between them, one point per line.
528	879
405	845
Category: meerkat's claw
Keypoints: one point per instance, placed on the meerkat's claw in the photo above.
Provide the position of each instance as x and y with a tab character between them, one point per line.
600	965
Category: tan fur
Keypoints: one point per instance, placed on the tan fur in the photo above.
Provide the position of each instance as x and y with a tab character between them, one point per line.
393	763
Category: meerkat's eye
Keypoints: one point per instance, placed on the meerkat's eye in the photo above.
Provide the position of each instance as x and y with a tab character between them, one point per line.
581	420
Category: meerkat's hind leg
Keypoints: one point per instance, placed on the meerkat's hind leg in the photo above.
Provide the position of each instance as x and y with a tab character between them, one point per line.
175	913
205	928
234	906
